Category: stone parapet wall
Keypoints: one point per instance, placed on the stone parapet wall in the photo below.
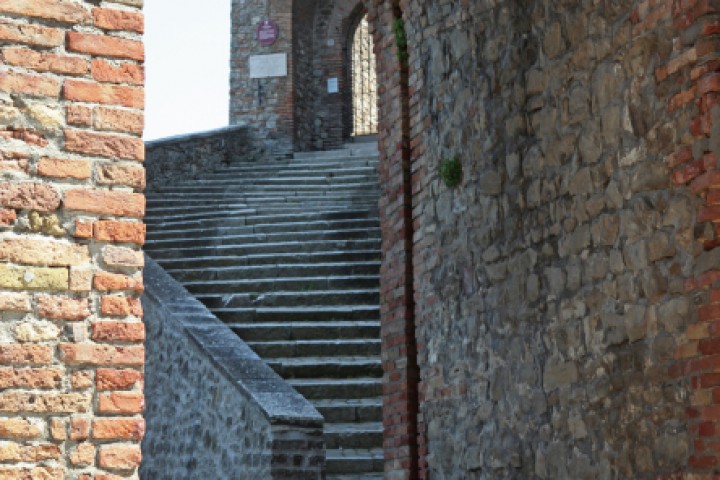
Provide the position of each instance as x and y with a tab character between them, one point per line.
213	406
71	208
184	157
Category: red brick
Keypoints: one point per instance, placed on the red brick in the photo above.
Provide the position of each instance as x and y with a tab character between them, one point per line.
83	229
63	168
124	232
708	313
7	216
709	214
29	196
80	280
78	115
31	378
681	99
28	84
50	402
45	62
56	307
107	282
122	257
83	455
111	379
39	251
18	428
119	120
118	72
119	331
121	402
105	145
130	175
120	457
105	355
58	430
118	429
92	92
82	380
105	202
79	429
709	83
109	19
33	35
27	135
105	46
60	10
115	306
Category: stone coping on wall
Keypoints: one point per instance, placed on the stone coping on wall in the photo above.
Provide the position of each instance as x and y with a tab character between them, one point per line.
255	380
185	157
194	136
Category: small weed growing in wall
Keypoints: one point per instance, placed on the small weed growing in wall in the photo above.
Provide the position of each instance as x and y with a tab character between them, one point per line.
451	171
401	41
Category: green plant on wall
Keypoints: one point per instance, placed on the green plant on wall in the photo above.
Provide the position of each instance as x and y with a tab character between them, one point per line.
451	171
401	41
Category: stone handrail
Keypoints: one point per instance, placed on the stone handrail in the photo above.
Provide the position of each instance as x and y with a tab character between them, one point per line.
213	406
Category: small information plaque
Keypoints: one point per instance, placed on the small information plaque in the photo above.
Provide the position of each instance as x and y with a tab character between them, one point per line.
265	66
333	85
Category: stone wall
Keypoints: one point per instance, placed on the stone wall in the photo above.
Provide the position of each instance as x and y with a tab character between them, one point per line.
187	156
556	288
213	406
71	173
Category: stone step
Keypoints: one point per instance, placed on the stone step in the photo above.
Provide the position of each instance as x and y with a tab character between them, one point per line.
262	259
330	388
295	170
353	435
263	212
267	248
259	188
255	219
314	313
264	228
290	180
354	464
284	299
252	216
317	348
253	238
326	367
277	270
290	331
344	153
345	411
263	285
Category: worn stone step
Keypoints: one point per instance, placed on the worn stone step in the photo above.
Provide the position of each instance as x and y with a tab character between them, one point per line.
277	270
264	203
289	180
345	153
329	388
317	348
261	285
355	410
252	238
263	228
229	220
369	296
267	248
326	367
353	435
263	212
348	461
262	259
314	313
268	183
290	331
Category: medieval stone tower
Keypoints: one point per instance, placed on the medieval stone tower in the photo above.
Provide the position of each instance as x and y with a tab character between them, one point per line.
549	201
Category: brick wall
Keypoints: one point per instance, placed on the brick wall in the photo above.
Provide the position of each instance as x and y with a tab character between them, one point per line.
71	335
264	105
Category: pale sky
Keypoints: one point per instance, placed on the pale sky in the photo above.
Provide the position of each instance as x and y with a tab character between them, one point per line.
187	66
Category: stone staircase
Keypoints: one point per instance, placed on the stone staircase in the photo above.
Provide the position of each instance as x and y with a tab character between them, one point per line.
287	253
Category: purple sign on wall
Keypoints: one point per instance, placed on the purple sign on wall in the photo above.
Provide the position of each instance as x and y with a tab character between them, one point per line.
267	32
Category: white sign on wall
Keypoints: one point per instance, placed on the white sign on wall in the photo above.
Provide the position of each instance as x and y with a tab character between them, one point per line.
333	85
264	66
